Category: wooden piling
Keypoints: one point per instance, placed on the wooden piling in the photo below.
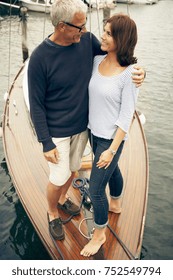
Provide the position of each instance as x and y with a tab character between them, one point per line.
23	18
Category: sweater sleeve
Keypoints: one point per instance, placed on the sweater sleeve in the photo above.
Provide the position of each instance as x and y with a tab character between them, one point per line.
96	46
37	91
128	104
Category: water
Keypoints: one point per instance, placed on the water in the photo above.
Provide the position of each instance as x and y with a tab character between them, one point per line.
18	239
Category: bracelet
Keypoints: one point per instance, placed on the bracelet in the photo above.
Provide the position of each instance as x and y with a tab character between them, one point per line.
112	152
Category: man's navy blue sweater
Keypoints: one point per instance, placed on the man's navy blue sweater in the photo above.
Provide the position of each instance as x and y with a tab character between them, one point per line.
58	80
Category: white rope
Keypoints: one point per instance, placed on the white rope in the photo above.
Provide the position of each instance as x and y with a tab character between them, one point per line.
87	237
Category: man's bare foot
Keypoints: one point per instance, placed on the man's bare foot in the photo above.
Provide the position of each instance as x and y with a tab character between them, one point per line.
98	239
115	205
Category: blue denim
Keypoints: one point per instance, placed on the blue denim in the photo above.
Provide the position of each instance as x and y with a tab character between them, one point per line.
100	177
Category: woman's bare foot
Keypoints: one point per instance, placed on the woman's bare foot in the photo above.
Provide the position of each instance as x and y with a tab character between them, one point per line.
115	205
98	239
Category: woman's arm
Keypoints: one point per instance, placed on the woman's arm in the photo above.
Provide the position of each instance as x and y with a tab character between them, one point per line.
128	103
107	156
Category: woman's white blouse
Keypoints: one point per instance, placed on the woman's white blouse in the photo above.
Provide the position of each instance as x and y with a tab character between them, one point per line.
112	101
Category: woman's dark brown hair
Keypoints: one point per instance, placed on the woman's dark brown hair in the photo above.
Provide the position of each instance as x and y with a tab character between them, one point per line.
124	33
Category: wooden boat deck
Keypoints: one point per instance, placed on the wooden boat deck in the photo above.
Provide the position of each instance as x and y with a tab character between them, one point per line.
29	172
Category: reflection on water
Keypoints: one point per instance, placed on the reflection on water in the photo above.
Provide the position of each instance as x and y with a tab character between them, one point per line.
23	237
144	253
18	237
154	50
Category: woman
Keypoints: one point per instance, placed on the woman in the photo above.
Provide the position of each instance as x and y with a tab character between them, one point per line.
112	99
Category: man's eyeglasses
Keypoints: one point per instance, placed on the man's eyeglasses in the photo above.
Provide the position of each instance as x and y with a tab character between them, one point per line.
75	26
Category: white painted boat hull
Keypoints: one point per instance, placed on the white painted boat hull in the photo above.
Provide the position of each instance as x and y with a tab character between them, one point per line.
137	1
36	7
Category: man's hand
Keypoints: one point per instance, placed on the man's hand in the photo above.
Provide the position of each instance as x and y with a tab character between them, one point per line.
138	75
52	156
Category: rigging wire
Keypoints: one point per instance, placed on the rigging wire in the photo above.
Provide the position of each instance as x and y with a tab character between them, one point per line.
89	8
44	27
98	18
128	10
44	23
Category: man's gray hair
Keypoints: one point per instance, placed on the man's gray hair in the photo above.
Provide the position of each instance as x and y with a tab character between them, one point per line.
64	10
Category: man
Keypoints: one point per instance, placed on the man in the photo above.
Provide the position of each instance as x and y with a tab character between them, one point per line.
58	75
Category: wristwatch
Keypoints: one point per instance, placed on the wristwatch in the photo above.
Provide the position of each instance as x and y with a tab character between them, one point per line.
112	152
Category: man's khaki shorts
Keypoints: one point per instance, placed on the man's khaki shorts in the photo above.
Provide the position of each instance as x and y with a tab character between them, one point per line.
70	151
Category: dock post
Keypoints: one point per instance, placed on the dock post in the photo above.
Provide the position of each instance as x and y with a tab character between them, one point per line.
106	13
23	19
108	5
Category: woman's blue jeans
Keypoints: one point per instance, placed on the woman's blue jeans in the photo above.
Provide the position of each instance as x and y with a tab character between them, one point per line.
99	179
